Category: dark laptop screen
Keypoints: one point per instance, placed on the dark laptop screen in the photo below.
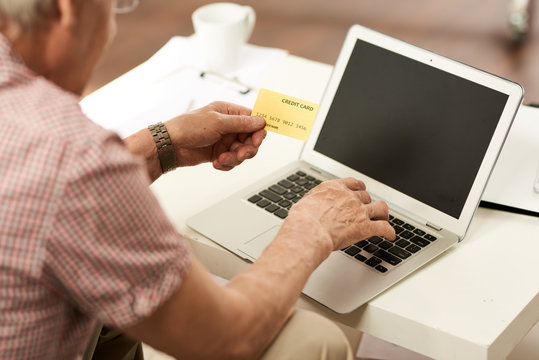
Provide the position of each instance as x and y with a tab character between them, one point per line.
415	128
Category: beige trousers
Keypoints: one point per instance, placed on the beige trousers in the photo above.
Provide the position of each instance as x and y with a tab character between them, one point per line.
308	335
305	336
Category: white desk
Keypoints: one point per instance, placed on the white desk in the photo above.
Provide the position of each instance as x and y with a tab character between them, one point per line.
477	301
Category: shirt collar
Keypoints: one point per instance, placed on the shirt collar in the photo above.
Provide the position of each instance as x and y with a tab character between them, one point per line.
11	63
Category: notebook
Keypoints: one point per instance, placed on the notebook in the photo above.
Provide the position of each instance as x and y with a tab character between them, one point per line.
421	130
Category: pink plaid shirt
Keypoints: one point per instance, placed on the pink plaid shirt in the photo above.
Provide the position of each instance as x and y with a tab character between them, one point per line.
82	238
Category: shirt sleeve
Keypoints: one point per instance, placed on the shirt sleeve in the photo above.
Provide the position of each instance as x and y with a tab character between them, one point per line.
112	251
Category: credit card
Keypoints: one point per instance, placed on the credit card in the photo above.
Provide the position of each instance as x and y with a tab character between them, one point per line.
284	114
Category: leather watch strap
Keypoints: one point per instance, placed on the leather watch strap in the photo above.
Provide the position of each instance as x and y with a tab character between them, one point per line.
165	149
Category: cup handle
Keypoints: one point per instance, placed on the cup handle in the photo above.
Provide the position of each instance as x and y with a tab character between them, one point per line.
250	21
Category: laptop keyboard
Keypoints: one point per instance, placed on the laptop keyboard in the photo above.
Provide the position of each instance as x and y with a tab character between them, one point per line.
382	255
279	197
376	252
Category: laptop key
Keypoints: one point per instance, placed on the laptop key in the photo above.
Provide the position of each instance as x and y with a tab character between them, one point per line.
408	227
263	203
385	245
293	177
375	239
300	173
429	237
402	243
282	213
301	182
310	186
397	221
381	268
419	241
413	248
373	261
297	189
285	183
370	248
270	195
352	250
403	254
360	257
277	189
398	229
387	257
272	208
406	234
419	232
255	198
284	203
361	243
289	195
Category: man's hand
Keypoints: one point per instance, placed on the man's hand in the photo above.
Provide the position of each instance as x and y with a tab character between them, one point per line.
336	214
222	133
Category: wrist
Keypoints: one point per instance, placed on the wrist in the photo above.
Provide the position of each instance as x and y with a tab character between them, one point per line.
308	238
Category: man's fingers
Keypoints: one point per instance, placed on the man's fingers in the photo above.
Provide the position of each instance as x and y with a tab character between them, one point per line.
235	146
364	196
226	161
217	165
378	210
383	228
234	109
246	152
258	136
240	124
236	156
244	137
354	184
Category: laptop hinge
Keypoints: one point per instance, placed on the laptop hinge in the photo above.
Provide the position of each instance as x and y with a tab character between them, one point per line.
432	226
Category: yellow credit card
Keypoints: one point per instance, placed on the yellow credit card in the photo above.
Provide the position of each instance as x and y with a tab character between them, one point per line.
284	114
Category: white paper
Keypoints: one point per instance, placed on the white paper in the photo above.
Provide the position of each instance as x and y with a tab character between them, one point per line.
512	180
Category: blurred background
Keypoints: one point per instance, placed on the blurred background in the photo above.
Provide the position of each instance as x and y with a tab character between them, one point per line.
474	32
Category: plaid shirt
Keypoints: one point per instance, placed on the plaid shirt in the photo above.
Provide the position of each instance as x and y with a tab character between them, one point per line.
82	238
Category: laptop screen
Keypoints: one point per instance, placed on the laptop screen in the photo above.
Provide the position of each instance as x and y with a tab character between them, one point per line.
413	127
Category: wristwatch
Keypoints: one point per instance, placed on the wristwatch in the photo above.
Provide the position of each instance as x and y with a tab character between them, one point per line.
165	149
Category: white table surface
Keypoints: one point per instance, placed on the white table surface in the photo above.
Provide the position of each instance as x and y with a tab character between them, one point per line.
476	301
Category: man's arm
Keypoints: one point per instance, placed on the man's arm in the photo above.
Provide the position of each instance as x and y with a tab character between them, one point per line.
222	133
203	320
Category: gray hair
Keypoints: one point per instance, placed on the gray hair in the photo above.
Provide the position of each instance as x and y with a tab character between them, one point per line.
26	13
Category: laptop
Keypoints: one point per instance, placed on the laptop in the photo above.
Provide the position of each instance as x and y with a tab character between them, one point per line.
421	130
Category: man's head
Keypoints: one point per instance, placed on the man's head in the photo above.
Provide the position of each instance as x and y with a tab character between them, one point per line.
59	39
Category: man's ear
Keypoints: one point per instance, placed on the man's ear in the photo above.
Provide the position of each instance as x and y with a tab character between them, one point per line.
67	10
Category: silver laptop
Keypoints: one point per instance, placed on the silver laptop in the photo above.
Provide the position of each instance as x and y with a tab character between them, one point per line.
422	131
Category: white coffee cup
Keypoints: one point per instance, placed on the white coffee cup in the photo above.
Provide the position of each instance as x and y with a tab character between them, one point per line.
221	31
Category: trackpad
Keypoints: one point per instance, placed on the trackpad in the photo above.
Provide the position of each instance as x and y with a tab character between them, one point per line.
256	245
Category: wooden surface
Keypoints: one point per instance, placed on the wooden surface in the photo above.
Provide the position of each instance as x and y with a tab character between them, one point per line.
474	32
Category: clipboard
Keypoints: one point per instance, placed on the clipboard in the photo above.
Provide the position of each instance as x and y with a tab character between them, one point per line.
511	184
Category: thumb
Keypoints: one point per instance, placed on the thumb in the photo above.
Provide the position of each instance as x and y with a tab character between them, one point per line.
241	124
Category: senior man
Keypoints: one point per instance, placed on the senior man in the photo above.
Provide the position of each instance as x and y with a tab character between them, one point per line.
83	241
